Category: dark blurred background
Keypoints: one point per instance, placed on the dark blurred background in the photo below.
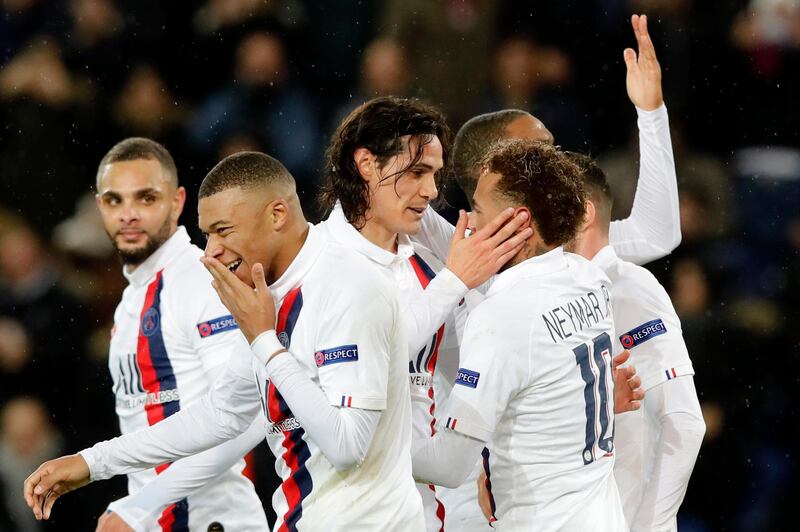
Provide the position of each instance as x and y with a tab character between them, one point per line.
211	77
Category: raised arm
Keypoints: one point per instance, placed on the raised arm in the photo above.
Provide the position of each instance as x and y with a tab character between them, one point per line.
653	228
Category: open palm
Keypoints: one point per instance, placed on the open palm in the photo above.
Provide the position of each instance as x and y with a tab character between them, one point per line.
643	79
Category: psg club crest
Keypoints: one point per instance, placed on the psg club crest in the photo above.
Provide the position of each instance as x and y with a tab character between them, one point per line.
283	338
150	321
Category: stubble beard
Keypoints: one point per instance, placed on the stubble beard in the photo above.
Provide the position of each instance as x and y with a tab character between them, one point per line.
136	256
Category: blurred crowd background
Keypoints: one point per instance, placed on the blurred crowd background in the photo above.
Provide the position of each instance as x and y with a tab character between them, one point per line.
211	77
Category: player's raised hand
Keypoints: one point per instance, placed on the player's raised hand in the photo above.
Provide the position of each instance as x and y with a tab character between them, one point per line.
52	480
643	79
475	259
112	522
628	392
253	308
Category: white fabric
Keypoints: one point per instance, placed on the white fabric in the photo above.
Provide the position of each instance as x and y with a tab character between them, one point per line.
428	294
160	362
342	434
342	301
185	477
547	411
656	446
653	228
446	459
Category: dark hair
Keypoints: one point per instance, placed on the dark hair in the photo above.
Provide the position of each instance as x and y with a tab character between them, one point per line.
542	178
378	125
472	142
136	148
596	185
247	169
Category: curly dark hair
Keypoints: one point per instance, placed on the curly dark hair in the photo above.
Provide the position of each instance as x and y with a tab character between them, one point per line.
543	179
378	125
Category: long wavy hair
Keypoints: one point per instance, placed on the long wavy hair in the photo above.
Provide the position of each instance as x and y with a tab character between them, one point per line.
378	126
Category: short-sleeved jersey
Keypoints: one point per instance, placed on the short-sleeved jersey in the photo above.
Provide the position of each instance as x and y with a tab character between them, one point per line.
412	268
338	315
535	380
648	326
171	336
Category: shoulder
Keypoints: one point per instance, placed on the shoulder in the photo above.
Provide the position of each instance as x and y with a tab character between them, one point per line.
186	280
346	272
633	282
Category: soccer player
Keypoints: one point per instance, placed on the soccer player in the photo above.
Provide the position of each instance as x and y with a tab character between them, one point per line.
650	232
657	446
328	369
535	375
384	167
171	333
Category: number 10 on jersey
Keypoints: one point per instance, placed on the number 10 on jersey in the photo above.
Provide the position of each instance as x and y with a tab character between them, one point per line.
594	362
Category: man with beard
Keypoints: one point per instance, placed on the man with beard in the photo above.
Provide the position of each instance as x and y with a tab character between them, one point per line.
171	335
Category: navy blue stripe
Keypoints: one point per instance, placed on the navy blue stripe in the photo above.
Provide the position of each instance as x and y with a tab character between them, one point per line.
291	319
302	477
181	513
485	454
160	358
425	268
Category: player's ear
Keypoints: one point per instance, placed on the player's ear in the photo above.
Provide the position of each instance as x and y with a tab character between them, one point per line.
278	211
528	222
178	202
589	216
365	162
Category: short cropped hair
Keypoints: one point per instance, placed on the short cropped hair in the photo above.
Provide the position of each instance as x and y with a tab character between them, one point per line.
472	142
247	169
136	148
542	178
596	185
378	125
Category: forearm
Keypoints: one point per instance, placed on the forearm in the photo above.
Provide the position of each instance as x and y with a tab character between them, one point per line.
653	228
446	459
224	414
184	477
682	429
430	311
342	434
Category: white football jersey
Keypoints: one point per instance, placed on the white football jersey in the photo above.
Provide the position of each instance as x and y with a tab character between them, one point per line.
535	381
412	269
171	336
648	326
339	317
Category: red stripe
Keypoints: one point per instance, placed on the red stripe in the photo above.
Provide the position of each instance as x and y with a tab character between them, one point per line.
673	373
167	518
273	404
155	412
423	279
350	401
286	306
249	470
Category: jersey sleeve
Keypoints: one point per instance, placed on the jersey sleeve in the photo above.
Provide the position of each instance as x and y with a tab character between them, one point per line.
209	325
653	228
435	234
490	373
653	335
184	477
354	344
222	415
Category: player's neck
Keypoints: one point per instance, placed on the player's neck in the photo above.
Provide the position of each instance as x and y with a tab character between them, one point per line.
379	235
288	252
534	247
592	241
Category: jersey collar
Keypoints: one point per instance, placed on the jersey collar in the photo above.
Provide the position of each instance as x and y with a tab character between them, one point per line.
156	262
605	258
299	267
553	260
348	235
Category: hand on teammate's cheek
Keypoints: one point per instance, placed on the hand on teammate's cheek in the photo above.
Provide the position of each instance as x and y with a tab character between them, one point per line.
253	308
